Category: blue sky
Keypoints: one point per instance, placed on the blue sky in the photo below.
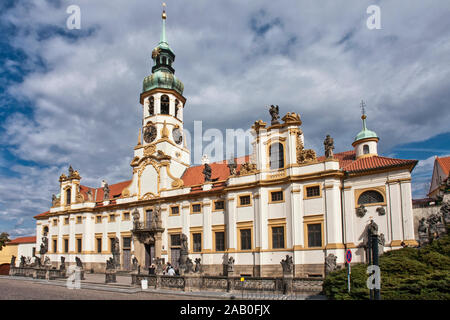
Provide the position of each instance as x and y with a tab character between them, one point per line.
71	96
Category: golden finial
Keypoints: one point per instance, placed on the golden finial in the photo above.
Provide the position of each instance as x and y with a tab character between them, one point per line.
363	110
164	16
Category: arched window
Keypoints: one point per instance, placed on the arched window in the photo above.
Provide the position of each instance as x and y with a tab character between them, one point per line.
151	105
276	155
365	149
68	195
164	104
176	107
370	196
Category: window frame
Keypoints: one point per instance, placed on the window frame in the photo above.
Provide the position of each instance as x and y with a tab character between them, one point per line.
171	210
66	240
305	191
283	158
277	223
271	192
98	249
79	244
313	219
214	205
244	226
380	189
161	104
194	232
126	213
192	208
239	205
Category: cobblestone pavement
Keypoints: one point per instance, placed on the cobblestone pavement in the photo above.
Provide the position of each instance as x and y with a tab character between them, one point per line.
30	290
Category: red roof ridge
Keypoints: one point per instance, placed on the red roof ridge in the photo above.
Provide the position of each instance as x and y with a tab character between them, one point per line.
444	162
29	239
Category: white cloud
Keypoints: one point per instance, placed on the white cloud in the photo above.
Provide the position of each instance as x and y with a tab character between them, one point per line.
315	59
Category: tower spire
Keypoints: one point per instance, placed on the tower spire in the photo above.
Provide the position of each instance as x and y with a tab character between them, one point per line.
163	40
363	117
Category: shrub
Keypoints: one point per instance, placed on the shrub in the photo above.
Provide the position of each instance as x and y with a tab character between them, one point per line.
406	274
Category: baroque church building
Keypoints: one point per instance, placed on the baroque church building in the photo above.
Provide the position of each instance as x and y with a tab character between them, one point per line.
280	200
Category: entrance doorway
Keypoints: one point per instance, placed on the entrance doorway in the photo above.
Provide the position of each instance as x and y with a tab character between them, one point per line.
126	253
149	255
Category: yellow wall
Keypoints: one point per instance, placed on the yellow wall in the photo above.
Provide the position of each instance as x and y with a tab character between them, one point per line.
7	252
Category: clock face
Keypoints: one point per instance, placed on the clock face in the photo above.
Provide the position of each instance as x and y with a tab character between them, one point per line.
177	135
150	134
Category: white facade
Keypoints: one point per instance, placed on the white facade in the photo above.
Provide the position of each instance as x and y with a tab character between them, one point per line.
296	204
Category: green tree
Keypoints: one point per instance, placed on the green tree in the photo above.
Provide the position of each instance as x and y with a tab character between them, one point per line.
406	274
4	239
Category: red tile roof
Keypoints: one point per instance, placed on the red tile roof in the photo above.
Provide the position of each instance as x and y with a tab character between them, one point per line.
219	171
41	214
23	240
376	162
345	158
445	164
349	163
115	190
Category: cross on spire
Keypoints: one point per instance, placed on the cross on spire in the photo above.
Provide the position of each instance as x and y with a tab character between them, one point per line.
363	108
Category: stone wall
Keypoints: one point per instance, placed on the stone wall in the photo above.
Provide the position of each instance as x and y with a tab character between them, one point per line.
196	282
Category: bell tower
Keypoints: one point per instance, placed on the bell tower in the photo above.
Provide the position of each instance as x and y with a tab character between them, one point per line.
160	156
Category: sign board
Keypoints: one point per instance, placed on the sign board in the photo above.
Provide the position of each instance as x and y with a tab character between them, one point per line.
348	256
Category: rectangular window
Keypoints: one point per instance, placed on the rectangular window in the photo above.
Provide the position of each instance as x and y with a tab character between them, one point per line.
196	208
112	218
79	218
219	205
315	235
79	245
278	237
66	220
148	218
175	210
127	243
126	216
197	241
244	200
313	191
98	219
220	241
246	239
66	245
175	240
55	245
55	222
99	245
276	196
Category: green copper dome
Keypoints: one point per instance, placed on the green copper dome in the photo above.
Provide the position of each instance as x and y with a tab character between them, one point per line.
163	79
163	73
365	133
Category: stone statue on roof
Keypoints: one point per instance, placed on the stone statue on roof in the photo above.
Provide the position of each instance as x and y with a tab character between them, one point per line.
275	114
329	147
105	190
207	172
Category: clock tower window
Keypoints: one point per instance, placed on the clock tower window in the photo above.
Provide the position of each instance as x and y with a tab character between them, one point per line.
165	104
151	106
